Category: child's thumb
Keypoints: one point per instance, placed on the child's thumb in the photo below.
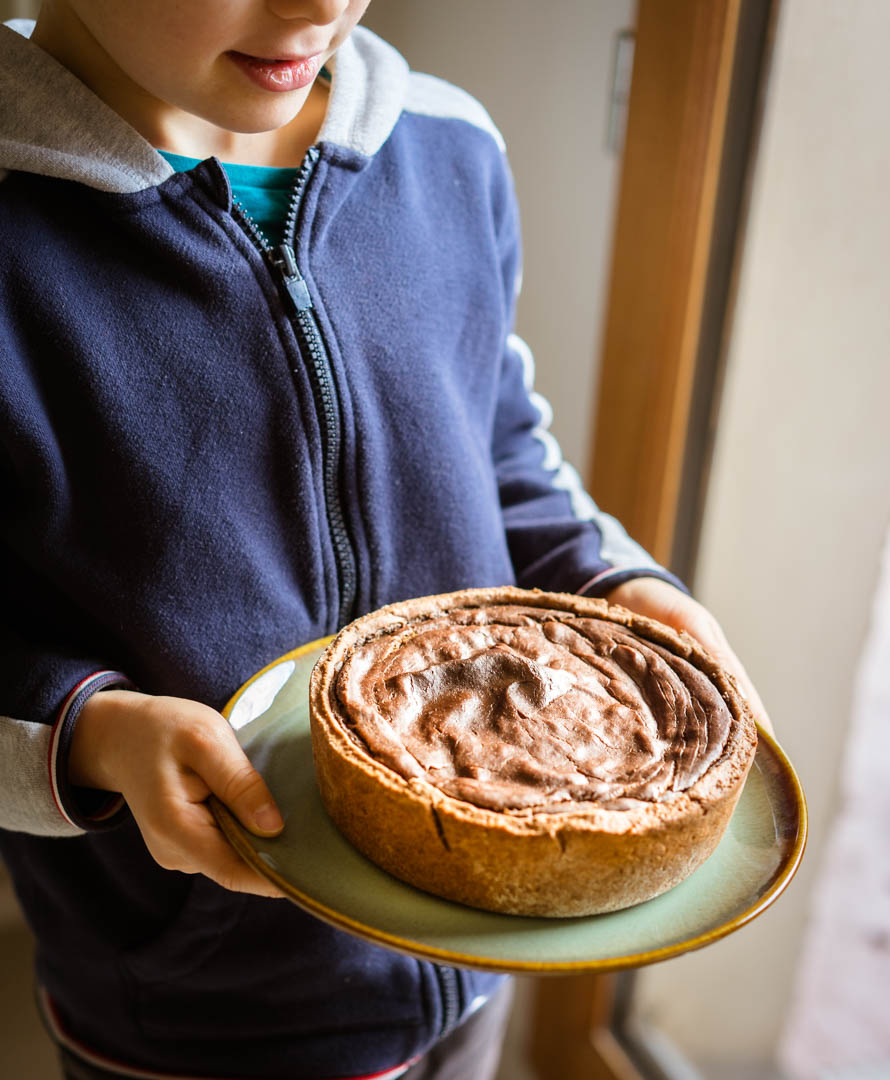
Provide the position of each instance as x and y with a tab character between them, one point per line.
266	818
235	782
253	804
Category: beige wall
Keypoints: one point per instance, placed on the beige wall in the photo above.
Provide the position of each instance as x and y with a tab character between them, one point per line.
543	71
800	495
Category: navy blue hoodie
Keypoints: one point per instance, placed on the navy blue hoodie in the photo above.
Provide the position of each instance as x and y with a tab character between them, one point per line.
212	451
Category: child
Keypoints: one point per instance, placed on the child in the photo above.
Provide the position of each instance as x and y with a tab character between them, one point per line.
220	441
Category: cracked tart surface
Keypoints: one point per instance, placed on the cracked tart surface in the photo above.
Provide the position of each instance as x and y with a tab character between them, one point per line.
526	752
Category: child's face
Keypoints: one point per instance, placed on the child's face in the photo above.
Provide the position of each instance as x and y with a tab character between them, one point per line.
242	65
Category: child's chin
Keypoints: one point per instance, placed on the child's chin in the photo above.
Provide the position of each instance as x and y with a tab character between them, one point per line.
255	121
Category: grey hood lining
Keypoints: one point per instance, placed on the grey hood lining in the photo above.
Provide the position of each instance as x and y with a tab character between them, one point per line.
52	124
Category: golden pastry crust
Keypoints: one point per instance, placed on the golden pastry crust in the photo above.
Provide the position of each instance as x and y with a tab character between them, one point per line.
580	859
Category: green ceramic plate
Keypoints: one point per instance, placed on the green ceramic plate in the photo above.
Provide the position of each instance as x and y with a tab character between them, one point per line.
324	874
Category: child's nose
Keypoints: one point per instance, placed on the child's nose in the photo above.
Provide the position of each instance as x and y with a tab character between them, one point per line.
321	12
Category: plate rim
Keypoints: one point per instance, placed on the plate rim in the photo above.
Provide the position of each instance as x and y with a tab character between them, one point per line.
239	838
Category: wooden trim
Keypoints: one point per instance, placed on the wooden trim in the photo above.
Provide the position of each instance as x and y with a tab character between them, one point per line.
572	1037
678	111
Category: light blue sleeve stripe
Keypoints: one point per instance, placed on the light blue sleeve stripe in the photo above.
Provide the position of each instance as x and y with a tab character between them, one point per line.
616	548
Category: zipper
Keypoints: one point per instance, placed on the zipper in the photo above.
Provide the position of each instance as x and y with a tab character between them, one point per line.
450	997
282	263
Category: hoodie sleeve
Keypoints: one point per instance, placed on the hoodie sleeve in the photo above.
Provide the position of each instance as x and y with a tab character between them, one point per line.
558	537
46	692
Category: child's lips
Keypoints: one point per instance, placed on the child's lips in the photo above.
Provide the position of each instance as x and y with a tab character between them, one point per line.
278	74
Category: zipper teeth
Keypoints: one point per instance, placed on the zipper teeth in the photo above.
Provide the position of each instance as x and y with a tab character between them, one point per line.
450	1003
310	339
290	222
259	238
256	234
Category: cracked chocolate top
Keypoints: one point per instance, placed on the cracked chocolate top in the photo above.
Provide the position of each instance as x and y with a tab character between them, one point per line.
513	708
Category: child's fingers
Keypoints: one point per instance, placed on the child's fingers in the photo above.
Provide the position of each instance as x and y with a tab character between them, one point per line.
184	836
219	861
660	600
701	625
166	755
224	767
723	654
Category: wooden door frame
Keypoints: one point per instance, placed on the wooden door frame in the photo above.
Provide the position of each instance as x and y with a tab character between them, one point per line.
696	100
696	96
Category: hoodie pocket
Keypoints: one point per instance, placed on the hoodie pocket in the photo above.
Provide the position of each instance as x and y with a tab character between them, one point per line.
186	946
278	979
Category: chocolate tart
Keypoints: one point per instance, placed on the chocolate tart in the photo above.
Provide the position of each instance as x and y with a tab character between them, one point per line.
526	752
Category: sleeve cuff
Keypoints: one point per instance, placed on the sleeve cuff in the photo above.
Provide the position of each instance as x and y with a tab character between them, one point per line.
84	808
607	580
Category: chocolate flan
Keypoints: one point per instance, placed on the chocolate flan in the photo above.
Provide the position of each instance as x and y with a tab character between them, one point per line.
526	752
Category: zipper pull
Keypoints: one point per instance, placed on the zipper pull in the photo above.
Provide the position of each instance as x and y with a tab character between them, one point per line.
284	262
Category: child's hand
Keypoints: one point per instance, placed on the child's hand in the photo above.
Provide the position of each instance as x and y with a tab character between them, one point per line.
659	600
166	755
